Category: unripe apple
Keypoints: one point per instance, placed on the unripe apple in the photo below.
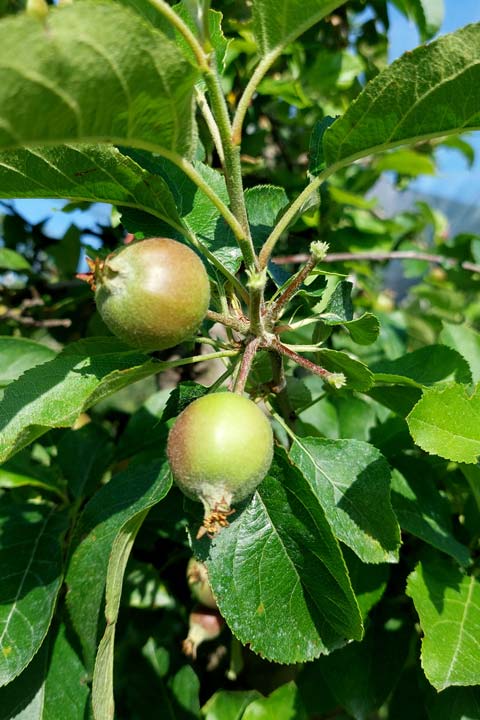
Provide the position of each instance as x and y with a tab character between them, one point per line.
220	448
197	578
152	294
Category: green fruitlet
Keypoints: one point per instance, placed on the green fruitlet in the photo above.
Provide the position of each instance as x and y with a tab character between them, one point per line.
152	294
197	578
220	448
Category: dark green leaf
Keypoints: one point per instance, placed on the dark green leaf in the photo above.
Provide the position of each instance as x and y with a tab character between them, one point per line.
369	581
108	512
84	455
423	512
316	156
358	375
351	480
455	704
31	574
278	574
425	366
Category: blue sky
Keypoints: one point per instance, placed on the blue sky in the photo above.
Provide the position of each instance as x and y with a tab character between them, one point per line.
455	180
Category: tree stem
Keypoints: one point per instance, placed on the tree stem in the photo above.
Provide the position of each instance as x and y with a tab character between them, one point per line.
229	321
177	22
246	364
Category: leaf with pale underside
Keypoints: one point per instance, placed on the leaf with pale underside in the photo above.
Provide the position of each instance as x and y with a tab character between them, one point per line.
416	98
96	72
275	25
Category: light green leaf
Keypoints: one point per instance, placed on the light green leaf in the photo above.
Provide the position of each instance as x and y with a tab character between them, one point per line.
97	73
86	172
20	354
466	341
364	330
11	260
448	603
415	98
406	162
446	422
423	512
53	687
278	575
283	704
358	375
228	704
423	367
55	393
351	480
10	480
264	204
107	517
102	686
275	26
30	578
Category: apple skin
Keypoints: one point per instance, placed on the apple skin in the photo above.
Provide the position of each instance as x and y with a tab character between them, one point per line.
220	448
152	294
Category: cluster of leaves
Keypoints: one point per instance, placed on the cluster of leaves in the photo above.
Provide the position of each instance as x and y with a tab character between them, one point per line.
349	581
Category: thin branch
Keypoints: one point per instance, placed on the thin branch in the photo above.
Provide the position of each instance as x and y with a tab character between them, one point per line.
210	122
162	366
165	9
335	379
246	364
31	322
380	257
298	280
228	320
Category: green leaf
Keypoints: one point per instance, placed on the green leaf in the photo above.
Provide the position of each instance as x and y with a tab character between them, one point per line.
55	393
358	375
181	396
446	422
84	455
448	603
264	204
31	576
316	156
283	704
423	367
369	582
351	480
428	15
415	98
197	212
86	172
424	513
362	675
18	355
275	26
11	260
455	704
53	687
466	341
278	575
98	73
106	517
102	685
364	330
228	705
10	480
406	162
